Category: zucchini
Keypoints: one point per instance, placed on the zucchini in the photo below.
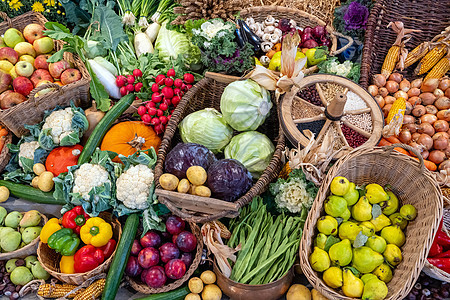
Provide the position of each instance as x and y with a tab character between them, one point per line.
102	127
120	259
177	294
30	193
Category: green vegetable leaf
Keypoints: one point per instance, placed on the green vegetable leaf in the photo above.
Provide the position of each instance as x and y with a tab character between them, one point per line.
147	158
360	240
376	211
151	221
56	27
331	240
111	27
354	271
320	52
98	91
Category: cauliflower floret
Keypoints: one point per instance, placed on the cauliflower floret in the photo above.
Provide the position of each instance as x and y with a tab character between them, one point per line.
27	150
60	122
133	186
87	177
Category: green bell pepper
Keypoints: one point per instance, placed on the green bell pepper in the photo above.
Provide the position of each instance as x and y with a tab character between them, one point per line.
64	241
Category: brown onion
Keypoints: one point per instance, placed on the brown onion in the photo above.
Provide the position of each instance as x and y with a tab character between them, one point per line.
379	80
445	165
397	77
413	92
416	83
408	119
444	84
386	108
405	85
411	127
373	90
444	115
438	93
430	85
380	100
425	140
383	91
389	100
415	136
419	111
441	126
415	100
426	128
447	151
392	86
409	108
428	118
447	93
438	134
427	98
405	136
431	109
442	103
419	148
436	156
440	143
402	94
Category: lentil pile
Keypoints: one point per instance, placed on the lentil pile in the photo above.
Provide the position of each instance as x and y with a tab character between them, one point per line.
354	102
302	109
363	121
353	138
311	95
330	90
314	127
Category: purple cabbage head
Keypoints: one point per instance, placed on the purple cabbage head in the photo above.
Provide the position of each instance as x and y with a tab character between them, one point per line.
356	16
185	155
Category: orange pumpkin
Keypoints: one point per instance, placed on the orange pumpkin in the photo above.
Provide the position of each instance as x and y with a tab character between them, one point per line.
62	157
128	137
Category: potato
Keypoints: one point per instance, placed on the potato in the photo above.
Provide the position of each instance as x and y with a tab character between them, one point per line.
202	191
168	181
38	169
196	175
45	182
34	182
211	292
183	186
4	193
298	292
192	296
195	285
317	296
192	189
208	277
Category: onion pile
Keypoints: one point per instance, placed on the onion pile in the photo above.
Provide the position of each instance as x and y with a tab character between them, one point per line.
427	116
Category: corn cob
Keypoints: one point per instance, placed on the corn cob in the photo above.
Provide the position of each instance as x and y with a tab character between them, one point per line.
285	171
417	53
390	61
398	107
93	291
49	290
224	232
439	70
431	59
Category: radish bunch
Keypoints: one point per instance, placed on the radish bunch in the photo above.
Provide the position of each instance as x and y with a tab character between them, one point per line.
130	83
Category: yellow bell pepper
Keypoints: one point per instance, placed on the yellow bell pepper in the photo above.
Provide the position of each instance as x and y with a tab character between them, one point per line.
96	232
52	226
376	194
66	265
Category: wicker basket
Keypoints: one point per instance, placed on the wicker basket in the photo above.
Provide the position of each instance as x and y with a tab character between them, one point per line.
29	249
5	155
207	93
412	183
32	111
141	287
429	16
49	259
303	19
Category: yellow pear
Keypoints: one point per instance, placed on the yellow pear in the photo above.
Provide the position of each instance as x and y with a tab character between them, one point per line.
383	272
319	260
352	285
380	222
333	277
362	210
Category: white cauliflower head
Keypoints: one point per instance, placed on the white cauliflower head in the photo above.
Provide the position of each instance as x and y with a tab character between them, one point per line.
133	186
88	176
60	122
27	149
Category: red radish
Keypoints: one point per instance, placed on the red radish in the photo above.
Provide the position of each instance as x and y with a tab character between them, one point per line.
142	110
168	81
163	119
138	86
167	101
178	82
146	119
188	78
157	97
183	87
160	79
169	116
159	128
130	87
121	81
175	100
150	104
155	121
152	111
137	73
130	79
155	88
163	106
167	92
176	91
159	112
171	112
123	91
171	73
189	86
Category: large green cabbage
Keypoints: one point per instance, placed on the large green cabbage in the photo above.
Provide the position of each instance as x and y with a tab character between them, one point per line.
206	127
253	149
245	105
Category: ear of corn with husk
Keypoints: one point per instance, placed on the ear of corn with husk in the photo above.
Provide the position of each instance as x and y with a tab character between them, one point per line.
49	290
439	70
93	291
431	59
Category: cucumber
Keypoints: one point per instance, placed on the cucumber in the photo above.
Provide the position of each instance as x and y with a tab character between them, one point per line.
177	294
30	193
102	127
120	259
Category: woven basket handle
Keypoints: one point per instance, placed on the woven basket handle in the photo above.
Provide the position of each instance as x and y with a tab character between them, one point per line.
349	44
32	95
390	148
5	17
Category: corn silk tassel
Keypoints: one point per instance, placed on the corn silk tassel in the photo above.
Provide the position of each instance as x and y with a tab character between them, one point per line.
291	70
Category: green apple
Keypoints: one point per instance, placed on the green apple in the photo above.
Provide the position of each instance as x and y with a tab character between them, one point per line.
12	37
43	45
23	48
316	55
2	43
24	68
27	58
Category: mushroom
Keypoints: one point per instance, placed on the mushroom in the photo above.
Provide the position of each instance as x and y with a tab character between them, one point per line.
278	32
265	60
293	23
274	38
266	37
266	46
276	23
269	29
259	32
254	27
269	21
250	21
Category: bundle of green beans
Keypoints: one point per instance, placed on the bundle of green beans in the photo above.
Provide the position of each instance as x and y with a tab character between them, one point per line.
269	244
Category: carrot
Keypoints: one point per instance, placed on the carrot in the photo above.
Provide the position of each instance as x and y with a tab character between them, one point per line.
3	131
393	140
384	142
428	164
401	150
2	142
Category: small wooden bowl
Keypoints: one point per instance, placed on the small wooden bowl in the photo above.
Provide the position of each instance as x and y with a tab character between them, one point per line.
28	249
49	259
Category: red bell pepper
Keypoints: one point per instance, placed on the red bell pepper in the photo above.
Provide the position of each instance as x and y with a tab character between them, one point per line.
435	250
109	248
441	263
88	258
443	239
445	254
75	219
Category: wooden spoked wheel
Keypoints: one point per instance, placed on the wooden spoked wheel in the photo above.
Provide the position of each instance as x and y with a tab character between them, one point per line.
339	108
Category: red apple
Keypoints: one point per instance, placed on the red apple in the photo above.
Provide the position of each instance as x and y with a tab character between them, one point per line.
57	68
70	75
40	75
32	32
9	54
23	85
10	98
5	81
41	62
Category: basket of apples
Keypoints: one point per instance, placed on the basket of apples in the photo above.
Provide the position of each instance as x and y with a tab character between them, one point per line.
163	261
29	85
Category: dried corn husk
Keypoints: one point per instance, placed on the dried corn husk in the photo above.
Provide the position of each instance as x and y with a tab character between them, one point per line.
403	36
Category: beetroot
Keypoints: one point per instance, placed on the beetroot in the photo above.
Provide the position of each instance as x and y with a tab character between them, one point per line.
169	251
151	239
133	269
175	225
186	241
154	277
310	44
175	269
136	248
148	257
187	258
